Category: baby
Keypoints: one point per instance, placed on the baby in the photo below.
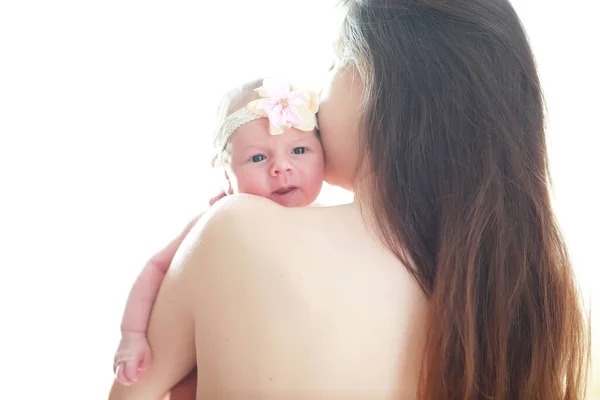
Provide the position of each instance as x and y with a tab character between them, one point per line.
267	145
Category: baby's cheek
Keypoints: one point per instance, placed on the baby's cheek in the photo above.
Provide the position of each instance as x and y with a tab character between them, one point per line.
317	184
251	184
235	183
315	180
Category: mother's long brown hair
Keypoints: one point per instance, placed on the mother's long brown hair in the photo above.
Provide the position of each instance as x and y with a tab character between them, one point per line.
453	135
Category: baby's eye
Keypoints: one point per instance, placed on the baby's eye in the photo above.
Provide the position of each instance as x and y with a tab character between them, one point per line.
299	150
258	158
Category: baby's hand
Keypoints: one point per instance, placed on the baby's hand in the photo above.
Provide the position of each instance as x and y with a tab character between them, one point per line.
217	198
132	358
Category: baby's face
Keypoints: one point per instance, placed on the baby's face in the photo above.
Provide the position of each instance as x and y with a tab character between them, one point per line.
286	168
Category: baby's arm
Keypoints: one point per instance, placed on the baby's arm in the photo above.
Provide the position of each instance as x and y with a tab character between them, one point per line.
134	354
144	290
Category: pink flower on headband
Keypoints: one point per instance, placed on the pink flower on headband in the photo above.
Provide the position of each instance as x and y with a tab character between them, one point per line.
285	107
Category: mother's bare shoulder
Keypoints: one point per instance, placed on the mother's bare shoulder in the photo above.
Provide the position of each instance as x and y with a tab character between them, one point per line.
247	214
237	223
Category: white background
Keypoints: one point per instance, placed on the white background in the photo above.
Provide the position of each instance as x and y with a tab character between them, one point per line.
105	113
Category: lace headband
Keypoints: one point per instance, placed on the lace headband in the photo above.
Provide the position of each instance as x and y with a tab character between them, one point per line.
283	106
230	125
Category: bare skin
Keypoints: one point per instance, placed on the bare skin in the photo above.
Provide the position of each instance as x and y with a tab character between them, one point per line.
272	302
286	168
326	324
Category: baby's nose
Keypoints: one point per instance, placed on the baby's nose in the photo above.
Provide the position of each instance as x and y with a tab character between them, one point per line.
281	166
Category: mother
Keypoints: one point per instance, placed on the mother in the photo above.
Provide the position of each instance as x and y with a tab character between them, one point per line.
447	278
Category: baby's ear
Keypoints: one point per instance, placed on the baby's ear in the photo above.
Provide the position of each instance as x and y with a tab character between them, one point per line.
228	187
225	182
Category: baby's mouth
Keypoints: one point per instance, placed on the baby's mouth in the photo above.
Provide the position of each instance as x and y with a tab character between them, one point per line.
285	190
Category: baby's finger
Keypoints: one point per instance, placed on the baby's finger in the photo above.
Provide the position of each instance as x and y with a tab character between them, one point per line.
119	359
131	369
120	375
216	198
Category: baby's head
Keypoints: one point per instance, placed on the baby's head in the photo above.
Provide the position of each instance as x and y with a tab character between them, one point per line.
267	143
